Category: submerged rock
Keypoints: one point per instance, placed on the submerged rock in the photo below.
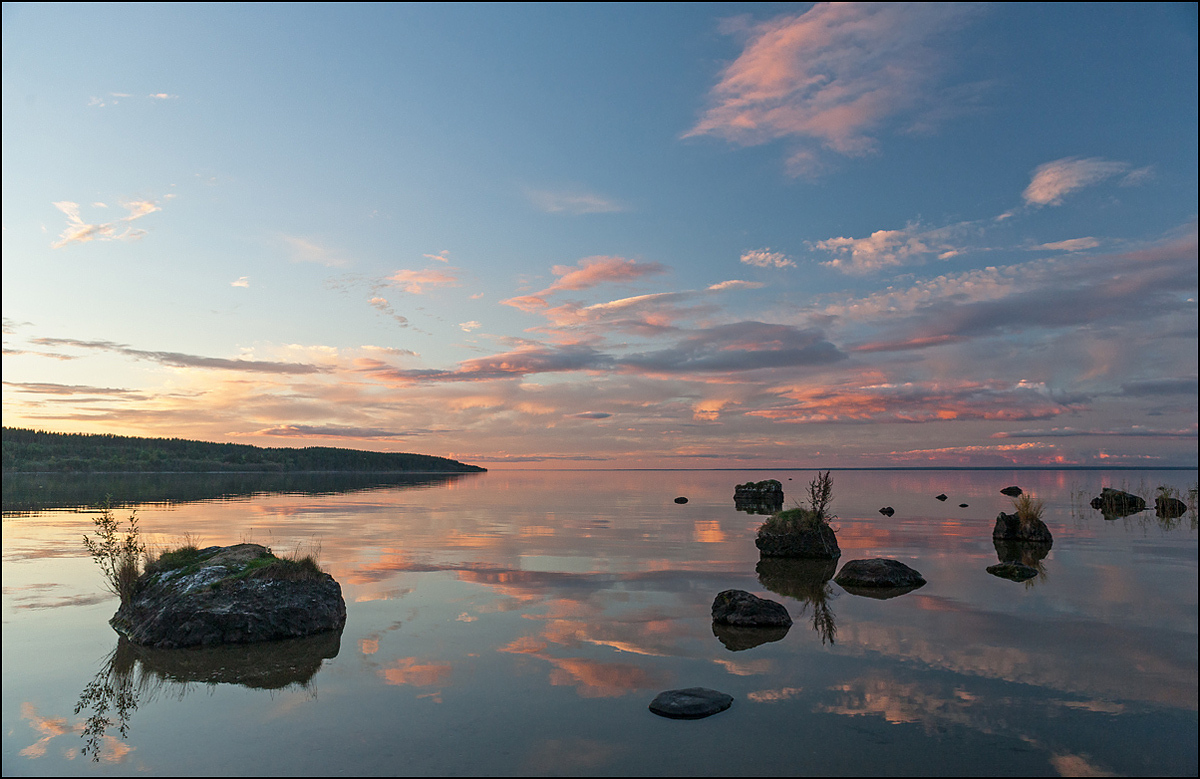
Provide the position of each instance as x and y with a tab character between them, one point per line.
1116	503
1013	570
744	609
1169	508
1010	527
1011	492
240	594
880	573
690	703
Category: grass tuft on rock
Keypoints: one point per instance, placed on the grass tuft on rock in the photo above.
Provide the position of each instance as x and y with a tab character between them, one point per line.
1028	508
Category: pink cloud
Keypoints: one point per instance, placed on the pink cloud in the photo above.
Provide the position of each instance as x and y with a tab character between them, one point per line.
832	74
1053	180
416	282
589	272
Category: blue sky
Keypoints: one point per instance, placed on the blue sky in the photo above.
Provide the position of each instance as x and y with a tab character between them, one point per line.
608	236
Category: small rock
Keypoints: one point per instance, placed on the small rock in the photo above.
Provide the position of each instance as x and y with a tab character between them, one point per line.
943	497
1013	570
1169	508
887	511
690	703
1011	492
878	572
681	500
742	609
962	505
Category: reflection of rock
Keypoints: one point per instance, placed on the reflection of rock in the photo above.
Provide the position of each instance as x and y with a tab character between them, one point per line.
1011	569
943	497
879	572
758	497
737	639
1010	527
808	582
744	609
1028	553
1115	503
270	665
1169	508
1011	492
230	595
690	703
887	511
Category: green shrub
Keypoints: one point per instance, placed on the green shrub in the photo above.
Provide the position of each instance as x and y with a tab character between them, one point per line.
119	556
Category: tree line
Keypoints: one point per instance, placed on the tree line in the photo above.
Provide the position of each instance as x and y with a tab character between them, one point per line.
28	450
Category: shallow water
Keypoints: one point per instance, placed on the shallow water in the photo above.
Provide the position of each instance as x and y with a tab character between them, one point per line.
521	622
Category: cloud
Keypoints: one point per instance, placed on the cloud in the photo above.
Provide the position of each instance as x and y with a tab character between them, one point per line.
886	248
442	256
1156	387
70	389
553	202
736	284
162	96
416	282
1070	245
592	415
588	272
1053	180
832	75
78	231
178	360
1137	431
336	431
741	346
243	281
384	307
765	258
304	250
467	327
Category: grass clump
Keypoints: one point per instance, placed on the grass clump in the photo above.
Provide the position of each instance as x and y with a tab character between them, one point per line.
805	519
1028	508
118	554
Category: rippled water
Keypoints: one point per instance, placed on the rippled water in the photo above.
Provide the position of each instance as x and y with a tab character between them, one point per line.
521	622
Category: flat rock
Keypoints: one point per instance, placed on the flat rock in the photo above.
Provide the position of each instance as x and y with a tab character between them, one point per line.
743	609
1013	571
1011	492
690	703
878	572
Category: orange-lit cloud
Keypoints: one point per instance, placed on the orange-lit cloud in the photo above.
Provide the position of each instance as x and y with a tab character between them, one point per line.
1052	181
831	75
416	282
588	272
410	671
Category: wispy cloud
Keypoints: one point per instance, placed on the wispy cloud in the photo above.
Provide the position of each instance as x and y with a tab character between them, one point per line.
336	431
1070	245
180	360
572	202
1137	431
442	256
43	388
765	258
1052	181
243	281
417	282
736	284
467	327
78	231
832	75
306	250
382	305
588	272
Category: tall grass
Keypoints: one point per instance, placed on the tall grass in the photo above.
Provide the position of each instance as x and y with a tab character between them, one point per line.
1029	509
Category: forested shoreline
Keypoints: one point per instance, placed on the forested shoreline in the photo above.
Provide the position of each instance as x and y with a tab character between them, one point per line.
28	451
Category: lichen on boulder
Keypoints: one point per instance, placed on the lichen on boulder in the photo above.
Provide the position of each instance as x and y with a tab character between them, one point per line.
229	595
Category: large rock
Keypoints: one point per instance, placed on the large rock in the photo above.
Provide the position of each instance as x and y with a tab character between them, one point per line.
1010	527
690	703
878	572
1116	503
743	609
230	595
805	537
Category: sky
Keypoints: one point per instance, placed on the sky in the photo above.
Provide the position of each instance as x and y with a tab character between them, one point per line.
608	236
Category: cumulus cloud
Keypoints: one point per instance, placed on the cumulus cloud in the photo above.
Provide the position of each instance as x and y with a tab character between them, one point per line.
416	282
832	75
765	258
887	248
572	202
1054	180
467	327
78	231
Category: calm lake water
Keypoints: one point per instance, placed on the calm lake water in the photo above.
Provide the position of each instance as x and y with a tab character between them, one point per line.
521	622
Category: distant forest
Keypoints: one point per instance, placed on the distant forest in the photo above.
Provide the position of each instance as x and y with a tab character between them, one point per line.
34	450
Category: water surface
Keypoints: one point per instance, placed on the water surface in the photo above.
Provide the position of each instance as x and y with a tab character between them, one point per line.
521	622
